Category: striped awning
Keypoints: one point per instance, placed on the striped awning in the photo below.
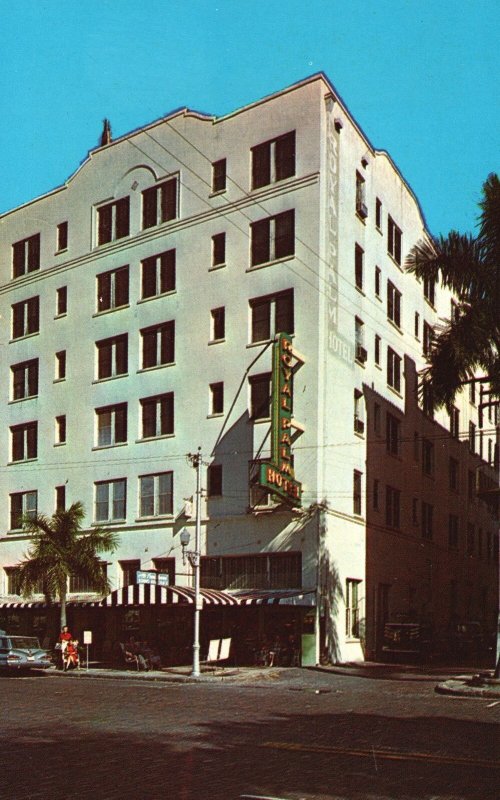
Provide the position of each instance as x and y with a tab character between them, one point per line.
148	595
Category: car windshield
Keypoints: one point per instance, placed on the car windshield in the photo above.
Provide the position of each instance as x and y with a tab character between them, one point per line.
24	642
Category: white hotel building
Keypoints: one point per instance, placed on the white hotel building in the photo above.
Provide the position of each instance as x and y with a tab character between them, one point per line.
139	302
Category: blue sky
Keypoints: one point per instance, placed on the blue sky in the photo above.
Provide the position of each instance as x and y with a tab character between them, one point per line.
422	78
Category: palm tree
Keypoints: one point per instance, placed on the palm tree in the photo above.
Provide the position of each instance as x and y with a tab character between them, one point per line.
470	266
59	550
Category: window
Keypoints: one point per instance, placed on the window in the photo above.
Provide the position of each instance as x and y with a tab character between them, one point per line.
24	379
62	301
60	365
217	324
352	615
453	474
214	480
217	398
26	256
378	213
376	487
393	304
62	236
472	437
26	317
165	566
428	399
361	207
392	507
22	504
427	515
377	349
376	418
470	539
218	249
453	532
378	278
471	485
417	325
393	369
455	422
156	494
129	571
112	289
358	266
111	422
13	580
427	457
260	396
24	441
359	339
430	290
273	161
356	492
219	175
60	498
416	446
270	315
110	500
427	339
260	571
158	274
393	240
158	345
78	583
112	357
472	392
113	221
61	429
273	238
157	415
159	203
359	415
393	434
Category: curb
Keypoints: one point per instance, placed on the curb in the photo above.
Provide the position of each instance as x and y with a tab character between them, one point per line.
459	688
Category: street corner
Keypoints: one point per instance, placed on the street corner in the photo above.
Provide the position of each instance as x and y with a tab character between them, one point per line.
478	685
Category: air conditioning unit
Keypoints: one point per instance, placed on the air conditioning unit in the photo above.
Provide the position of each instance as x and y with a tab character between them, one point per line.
359	425
362	210
361	354
186	510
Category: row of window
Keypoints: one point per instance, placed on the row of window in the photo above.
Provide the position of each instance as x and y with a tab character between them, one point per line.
272	161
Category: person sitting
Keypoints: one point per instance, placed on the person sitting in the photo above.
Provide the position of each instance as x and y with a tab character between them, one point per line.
132	647
70	655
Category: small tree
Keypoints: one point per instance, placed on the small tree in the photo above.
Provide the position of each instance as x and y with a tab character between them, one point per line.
58	550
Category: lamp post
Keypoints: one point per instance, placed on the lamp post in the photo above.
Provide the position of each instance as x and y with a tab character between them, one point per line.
194	560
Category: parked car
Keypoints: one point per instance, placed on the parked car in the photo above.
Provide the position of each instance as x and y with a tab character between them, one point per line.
406	640
22	653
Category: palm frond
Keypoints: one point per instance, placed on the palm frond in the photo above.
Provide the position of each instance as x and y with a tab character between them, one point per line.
457	260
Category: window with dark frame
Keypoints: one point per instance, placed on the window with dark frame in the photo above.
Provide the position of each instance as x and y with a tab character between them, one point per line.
471	535
112	357
110	500
472	437
377	349
219	175
427	520
61	429
113	221
260	396
356	491
157	415
361	207
430	290
352	608
217	324
453	531
129	570
61	498
214	480
273	160
376	487
24	379
158	274
156	496
158	345
394	237
378	278
392	434
393	304
427	338
62	301
26	317
24	441
358	266
111	425
22	504
159	203
252	571
453	468
378	213
271	314
218	249
393	369
392	507
217	398
427	457
60	365
272	238
62	237
417	325
113	289
26	256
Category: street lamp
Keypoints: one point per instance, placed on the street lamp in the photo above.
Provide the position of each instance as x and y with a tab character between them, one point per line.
193	557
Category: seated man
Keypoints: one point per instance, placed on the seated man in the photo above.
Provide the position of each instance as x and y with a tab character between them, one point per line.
133	648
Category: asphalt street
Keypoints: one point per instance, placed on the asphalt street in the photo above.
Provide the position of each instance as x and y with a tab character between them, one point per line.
292	735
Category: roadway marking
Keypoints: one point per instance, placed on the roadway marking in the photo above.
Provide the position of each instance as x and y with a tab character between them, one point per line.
389	755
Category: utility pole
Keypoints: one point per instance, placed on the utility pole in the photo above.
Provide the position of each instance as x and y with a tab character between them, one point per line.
195	556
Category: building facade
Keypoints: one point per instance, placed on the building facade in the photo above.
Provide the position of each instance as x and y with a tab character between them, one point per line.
139	306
